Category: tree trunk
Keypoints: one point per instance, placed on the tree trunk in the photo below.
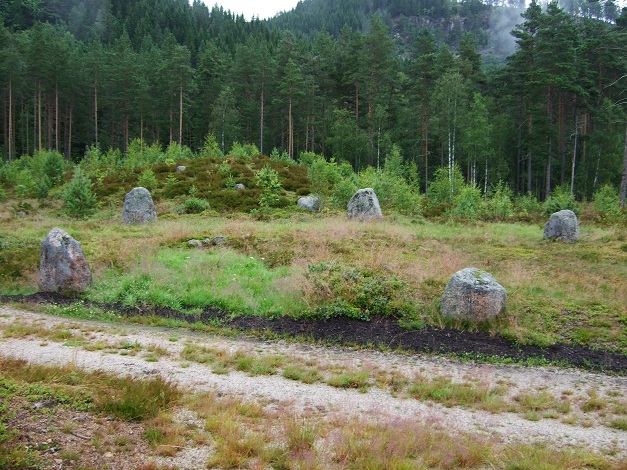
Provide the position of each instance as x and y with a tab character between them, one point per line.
290	130
39	112
171	131
549	158
181	112
572	172
69	139
10	152
529	157
56	117
49	119
261	121
96	111
425	143
623	184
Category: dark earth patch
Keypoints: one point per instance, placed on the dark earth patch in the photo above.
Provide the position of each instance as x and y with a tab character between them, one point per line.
378	332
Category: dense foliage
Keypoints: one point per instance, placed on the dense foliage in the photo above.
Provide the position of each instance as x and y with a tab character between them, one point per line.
102	74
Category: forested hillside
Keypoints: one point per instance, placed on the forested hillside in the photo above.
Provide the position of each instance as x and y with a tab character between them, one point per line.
348	83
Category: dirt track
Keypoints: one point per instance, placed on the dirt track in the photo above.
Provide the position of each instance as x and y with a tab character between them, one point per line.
586	429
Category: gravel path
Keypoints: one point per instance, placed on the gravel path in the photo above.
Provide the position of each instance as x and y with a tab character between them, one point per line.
588	429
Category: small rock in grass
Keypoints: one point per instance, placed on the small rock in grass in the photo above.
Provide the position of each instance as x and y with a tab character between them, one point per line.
563	226
240	186
138	207
181	169
195	243
63	267
364	205
311	202
473	294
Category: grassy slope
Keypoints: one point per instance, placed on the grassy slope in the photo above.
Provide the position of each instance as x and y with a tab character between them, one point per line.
557	292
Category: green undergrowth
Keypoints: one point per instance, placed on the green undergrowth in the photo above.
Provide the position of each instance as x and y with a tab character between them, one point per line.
44	388
209	179
180	279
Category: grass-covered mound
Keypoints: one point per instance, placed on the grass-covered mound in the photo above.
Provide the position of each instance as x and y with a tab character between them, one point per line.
212	179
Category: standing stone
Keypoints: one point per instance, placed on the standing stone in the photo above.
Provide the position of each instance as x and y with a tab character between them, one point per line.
473	294
311	202
63	267
138	207
364	205
562	225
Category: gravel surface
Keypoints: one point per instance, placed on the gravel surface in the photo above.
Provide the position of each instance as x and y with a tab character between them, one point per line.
589	429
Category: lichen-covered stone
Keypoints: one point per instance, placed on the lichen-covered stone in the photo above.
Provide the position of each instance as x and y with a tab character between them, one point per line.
364	205
473	294
138	207
562	225
311	203
63	267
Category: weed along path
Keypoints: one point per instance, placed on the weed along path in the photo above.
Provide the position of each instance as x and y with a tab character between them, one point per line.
510	404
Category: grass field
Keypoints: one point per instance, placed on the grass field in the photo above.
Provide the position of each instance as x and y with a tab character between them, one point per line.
306	265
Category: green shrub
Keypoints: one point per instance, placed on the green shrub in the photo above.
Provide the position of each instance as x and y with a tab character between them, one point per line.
78	198
211	147
25	184
43	187
560	199
467	203
246	150
445	186
195	205
606	202
176	152
277	156
53	167
499	205
268	180
343	191
148	180
3	194
527	205
354	293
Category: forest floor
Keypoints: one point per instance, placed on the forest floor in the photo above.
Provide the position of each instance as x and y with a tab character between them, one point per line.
594	400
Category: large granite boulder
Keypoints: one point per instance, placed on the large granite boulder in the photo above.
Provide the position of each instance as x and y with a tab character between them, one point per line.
138	207
364	205
311	203
63	267
562	225
473	294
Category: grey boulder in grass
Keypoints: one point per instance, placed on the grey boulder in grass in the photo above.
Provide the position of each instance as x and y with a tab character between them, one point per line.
364	205
63	267
473	294
563	226
311	203
138	207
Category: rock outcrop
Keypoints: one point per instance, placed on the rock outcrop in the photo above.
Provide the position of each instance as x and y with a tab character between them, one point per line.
473	294
63	267
138	207
364	205
562	225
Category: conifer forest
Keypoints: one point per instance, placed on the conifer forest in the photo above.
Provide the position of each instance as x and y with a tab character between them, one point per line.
531	96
